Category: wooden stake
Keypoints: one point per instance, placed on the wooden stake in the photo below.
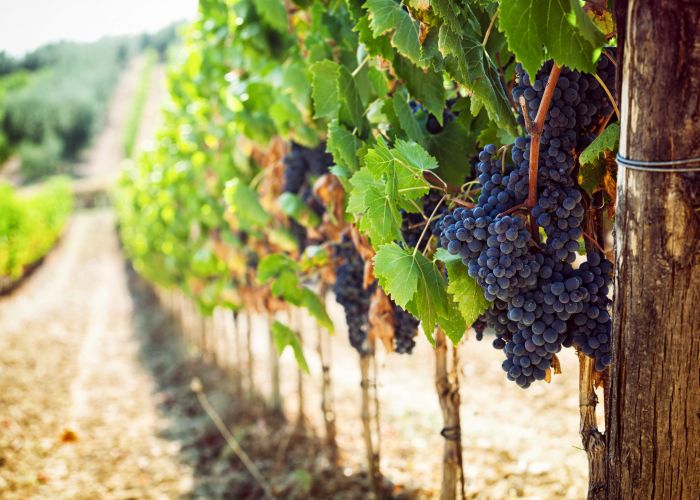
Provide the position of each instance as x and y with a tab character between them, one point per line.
373	469
448	395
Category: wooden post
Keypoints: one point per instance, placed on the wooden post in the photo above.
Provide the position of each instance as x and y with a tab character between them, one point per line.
250	365
448	395
653	417
297	320
367	384
238	354
275	394
323	348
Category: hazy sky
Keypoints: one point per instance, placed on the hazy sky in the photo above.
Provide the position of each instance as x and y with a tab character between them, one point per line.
28	24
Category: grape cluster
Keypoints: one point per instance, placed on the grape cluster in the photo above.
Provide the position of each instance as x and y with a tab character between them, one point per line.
405	330
540	302
351	294
301	166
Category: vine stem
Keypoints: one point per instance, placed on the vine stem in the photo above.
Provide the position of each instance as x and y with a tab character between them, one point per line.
609	94
489	29
420	239
360	66
592	439
536	133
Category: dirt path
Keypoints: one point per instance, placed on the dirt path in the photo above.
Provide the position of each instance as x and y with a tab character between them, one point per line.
81	418
103	159
157	94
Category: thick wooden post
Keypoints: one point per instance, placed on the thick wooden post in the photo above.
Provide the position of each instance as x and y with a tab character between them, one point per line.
653	417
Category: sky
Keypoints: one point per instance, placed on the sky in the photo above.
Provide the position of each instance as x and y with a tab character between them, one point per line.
28	24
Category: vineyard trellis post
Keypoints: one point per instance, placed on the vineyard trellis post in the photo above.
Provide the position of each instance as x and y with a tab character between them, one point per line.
368	385
275	393
447	386
653	417
324	351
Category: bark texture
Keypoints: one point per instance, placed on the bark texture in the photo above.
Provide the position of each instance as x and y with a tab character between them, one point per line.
653	417
368	385
448	394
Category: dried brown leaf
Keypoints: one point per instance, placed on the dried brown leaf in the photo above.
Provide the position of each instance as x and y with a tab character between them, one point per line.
556	365
381	319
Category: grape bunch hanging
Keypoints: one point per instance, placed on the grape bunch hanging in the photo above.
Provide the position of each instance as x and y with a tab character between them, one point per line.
302	166
352	295
355	298
540	301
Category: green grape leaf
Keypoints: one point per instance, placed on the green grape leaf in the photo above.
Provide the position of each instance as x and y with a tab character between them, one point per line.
313	304
273	264
287	286
293	206
314	257
467	61
352	108
381	221
273	13
453	323
379	160
425	85
607	141
431	297
377	46
283	239
387	15
453	146
284	336
465	292
397	272
343	145
361	182
592	159
325	89
407	119
413	155
412	281
540	29
243	202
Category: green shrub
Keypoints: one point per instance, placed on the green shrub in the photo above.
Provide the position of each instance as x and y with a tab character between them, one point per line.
40	160
30	225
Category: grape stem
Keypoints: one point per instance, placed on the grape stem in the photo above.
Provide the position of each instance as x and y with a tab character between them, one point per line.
609	94
420	238
360	66
490	28
535	132
592	239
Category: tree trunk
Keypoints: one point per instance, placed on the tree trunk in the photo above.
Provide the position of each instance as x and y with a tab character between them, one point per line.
653	427
448	395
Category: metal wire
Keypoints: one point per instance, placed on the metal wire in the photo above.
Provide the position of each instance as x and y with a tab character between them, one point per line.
659	166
